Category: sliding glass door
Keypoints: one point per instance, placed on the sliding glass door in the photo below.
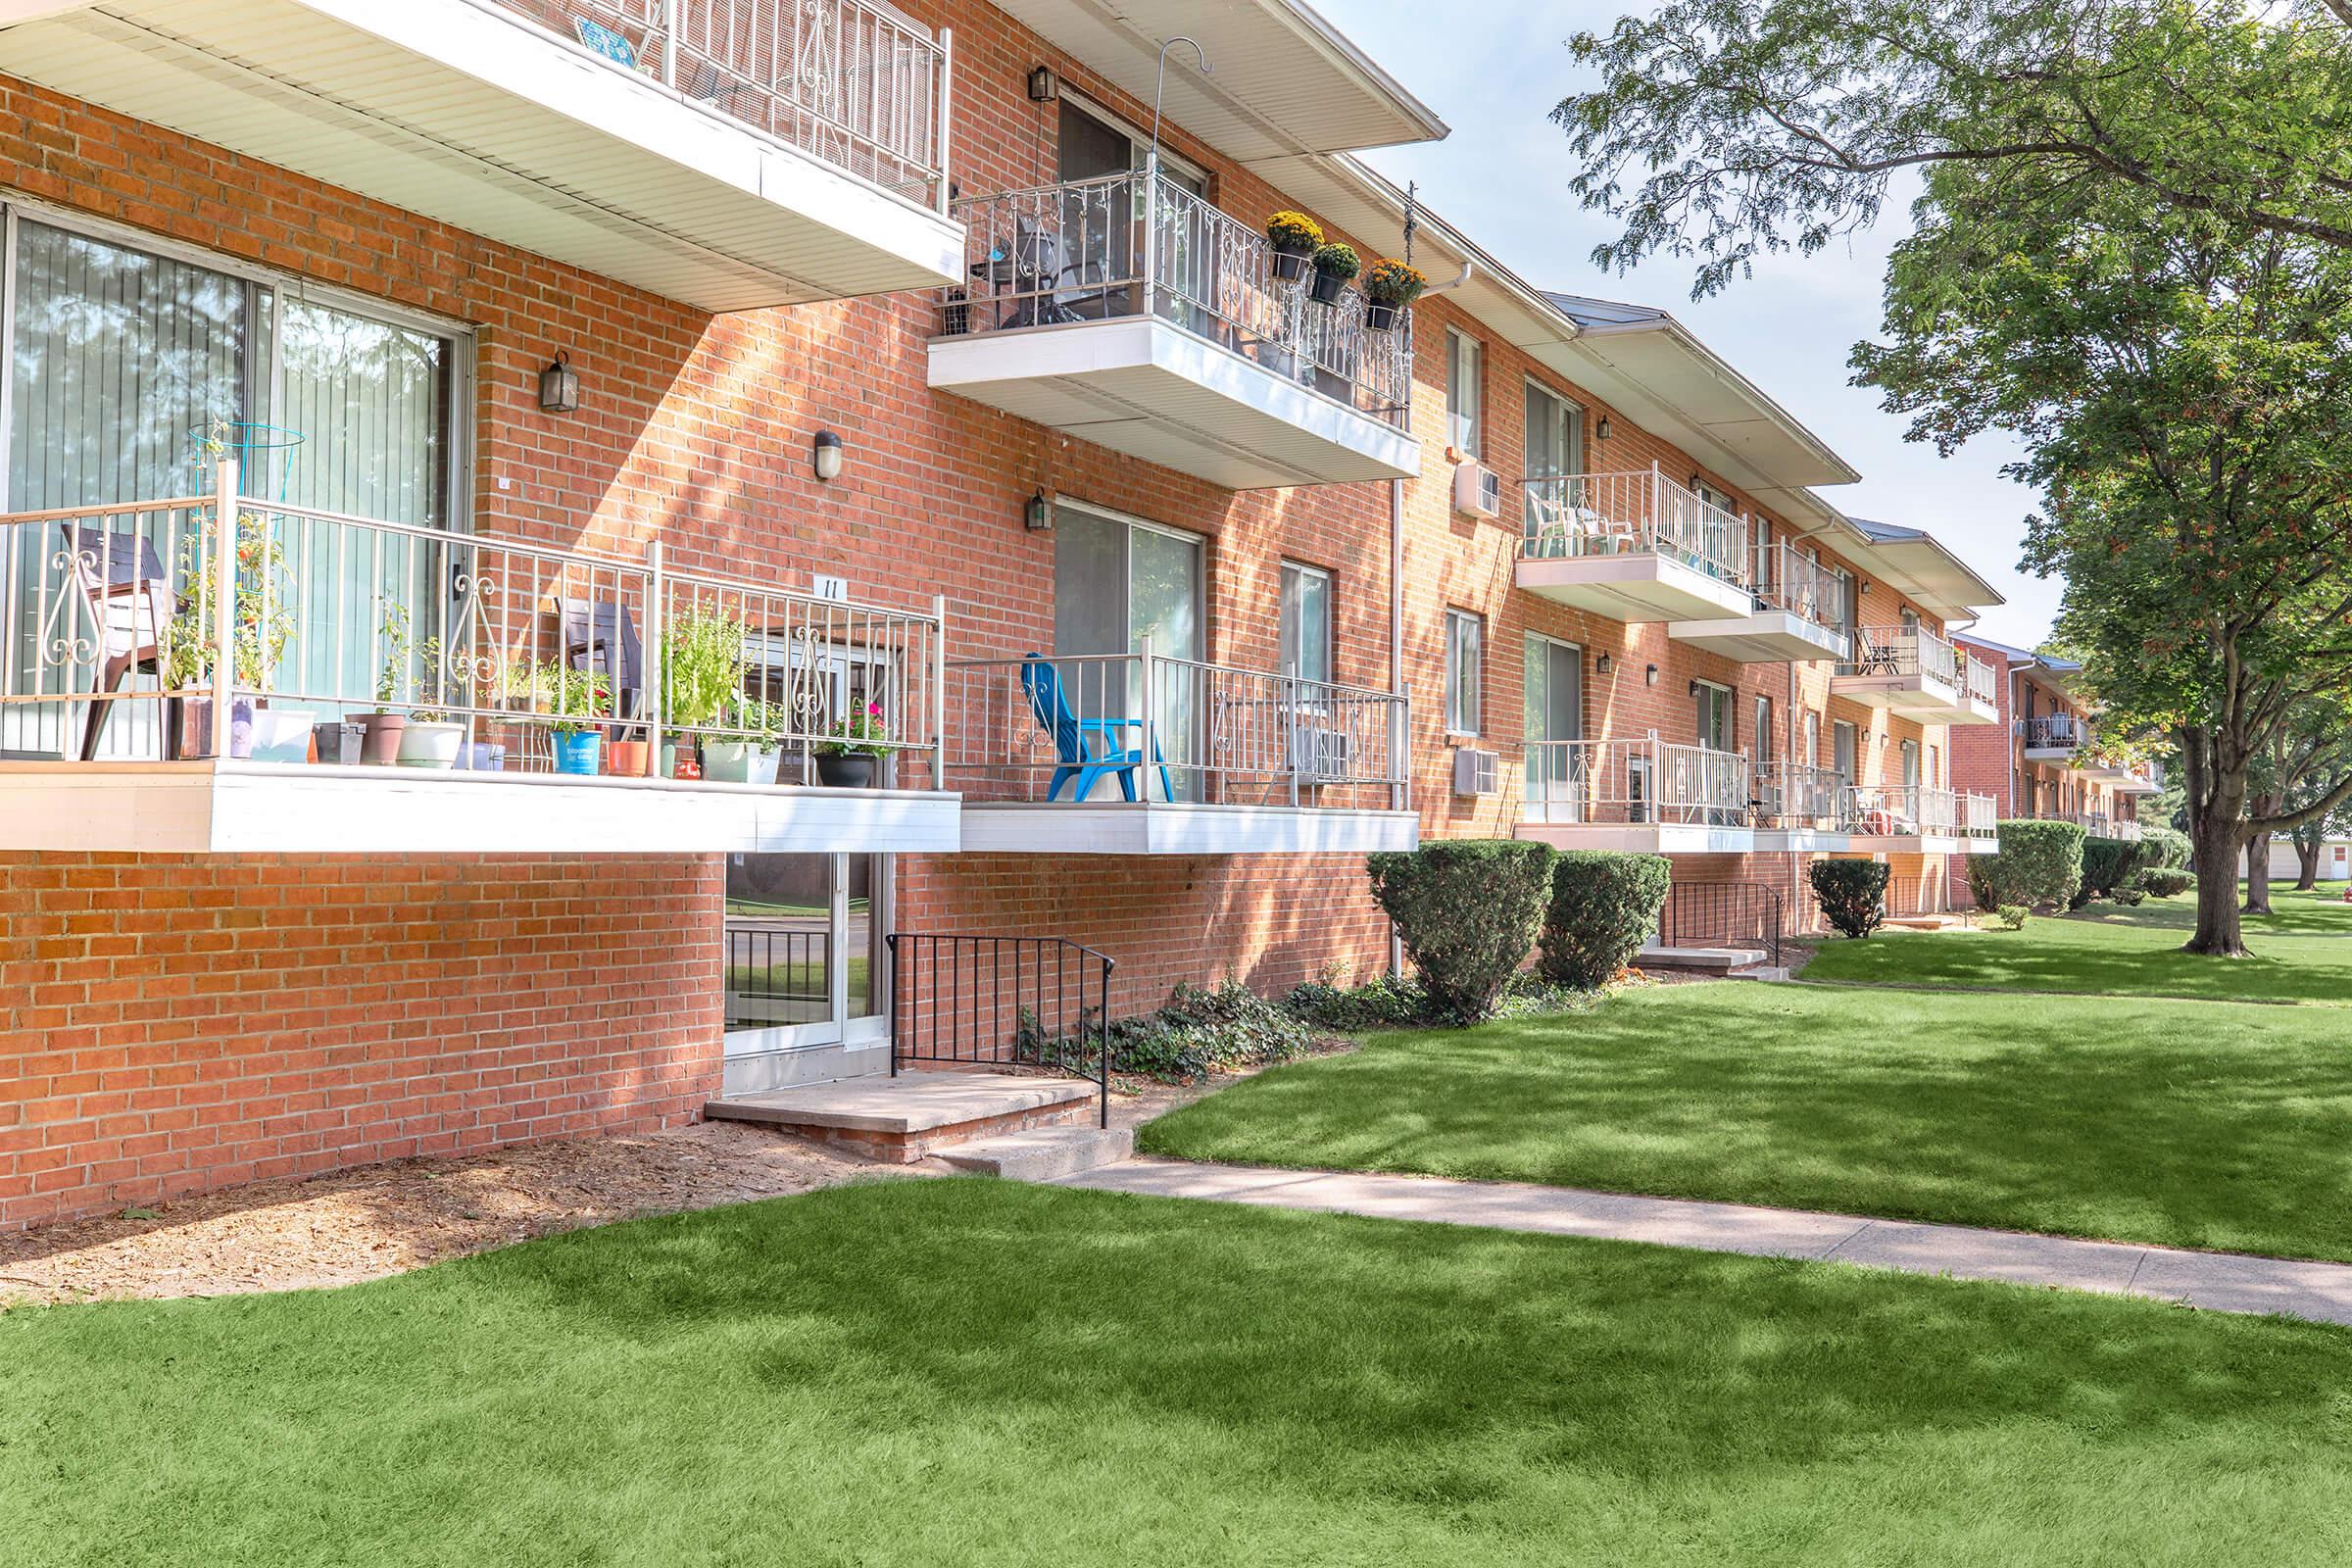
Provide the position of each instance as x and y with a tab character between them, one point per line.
1119	585
1554	685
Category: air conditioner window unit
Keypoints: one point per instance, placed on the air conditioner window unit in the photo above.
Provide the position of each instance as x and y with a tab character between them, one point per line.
1321	754
1477	772
1477	491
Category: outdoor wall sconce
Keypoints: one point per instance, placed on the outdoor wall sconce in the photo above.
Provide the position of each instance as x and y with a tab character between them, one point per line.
1696	479
1601	665
825	455
1601	431
1037	514
1044	86
1652	677
559	385
1694	688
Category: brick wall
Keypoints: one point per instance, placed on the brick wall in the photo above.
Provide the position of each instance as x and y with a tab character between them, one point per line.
185	1022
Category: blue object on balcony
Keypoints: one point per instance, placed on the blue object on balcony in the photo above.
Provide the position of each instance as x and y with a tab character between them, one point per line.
1089	750
597	39
577	752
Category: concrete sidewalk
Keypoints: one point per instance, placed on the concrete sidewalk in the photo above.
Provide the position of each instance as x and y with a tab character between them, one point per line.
2221	1281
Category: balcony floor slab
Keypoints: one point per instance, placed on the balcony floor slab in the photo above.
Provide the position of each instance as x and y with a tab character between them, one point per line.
1152	390
1180	827
1765	637
243	808
1636	588
1647	838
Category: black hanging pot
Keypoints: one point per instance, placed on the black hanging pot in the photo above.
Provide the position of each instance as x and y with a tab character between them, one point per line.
848	771
1380	318
1328	287
1291	260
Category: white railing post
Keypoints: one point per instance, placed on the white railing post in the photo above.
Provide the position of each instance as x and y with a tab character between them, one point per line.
669	56
1291	722
1657	516
655	593
1148	736
1151	247
947	94
938	691
225	602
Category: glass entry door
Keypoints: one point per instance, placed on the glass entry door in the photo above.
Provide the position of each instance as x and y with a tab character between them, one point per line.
806	961
1555	708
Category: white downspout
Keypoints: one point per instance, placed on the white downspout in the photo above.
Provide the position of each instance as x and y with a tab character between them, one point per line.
1397	661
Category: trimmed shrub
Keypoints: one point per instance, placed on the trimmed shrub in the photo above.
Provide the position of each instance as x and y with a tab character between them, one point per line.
1467	910
2109	864
2167	883
1605	905
2170	848
1852	894
2010	917
2040	863
2129	894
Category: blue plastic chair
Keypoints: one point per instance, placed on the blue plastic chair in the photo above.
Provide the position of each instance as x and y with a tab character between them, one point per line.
1089	750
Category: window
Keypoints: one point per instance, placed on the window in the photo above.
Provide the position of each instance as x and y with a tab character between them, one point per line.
1841	750
1935	768
1555	434
1812	739
1761	738
1715	725
1306	622
1465	660
1553	689
1466	425
1910	750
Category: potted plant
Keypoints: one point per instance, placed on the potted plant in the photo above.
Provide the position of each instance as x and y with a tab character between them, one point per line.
577	699
379	747
1390	285
1296	237
1335	265
751	760
850	756
702	671
259	627
431	738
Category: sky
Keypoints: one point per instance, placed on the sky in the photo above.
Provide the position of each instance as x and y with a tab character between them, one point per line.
1502	178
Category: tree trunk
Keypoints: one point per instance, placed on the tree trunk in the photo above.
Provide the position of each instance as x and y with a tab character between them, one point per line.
2258	874
2307	858
2214	850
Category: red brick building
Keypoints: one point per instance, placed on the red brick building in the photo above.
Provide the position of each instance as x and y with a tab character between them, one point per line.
545	341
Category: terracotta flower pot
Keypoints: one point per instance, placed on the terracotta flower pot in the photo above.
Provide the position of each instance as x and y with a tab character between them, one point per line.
627	759
382	747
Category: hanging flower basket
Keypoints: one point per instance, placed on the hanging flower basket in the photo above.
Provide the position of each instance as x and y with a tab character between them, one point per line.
1296	237
1390	287
1335	265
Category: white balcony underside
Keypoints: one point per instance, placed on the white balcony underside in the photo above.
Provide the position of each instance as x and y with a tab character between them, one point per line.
1152	390
1765	637
1178	828
1915	697
1647	838
449	109
1635	589
1803	840
1921	844
2061	755
235	807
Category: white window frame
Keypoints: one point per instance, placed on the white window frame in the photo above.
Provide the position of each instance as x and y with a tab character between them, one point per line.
1812	729
1731	715
1458	622
1331	602
1464	352
1572	426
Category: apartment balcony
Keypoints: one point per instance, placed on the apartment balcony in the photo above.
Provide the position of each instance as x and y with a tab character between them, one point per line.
1647	795
2123	775
1797	614
1635	548
1913	819
395	690
1911	672
1802	809
1129	313
2098	825
727	153
2055	738
1136	754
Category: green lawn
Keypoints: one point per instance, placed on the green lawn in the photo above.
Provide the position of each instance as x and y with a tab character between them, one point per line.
2301	953
2195	1124
973	1372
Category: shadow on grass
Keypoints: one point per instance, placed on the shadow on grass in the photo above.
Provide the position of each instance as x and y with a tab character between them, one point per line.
971	1371
2187	1125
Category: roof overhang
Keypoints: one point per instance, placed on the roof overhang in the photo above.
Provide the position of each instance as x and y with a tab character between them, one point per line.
1919	565
1282	81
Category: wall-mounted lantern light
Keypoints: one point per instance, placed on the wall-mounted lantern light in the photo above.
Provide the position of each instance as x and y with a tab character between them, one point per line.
1601	665
1694	688
1651	676
1044	86
559	385
1601	431
825	455
1037	514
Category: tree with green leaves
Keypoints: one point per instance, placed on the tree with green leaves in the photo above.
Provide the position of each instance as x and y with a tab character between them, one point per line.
2182	386
1725	129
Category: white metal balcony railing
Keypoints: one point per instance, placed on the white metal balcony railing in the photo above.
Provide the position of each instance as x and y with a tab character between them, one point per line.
316	617
1978	682
2098	825
1911	810
1783	579
1643	513
852	84
1070	727
1789	795
2053	732
1138	244
1634	782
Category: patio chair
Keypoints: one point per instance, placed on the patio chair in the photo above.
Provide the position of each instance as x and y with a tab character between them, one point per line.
1087	750
122	583
599	635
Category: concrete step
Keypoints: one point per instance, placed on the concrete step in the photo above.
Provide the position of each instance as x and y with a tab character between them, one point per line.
1697	961
1044	1153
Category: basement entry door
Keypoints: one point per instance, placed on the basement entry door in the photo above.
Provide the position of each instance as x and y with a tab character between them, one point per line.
806	961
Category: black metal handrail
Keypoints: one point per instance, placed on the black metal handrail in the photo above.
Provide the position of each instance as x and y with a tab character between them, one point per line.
984	1001
1722	914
